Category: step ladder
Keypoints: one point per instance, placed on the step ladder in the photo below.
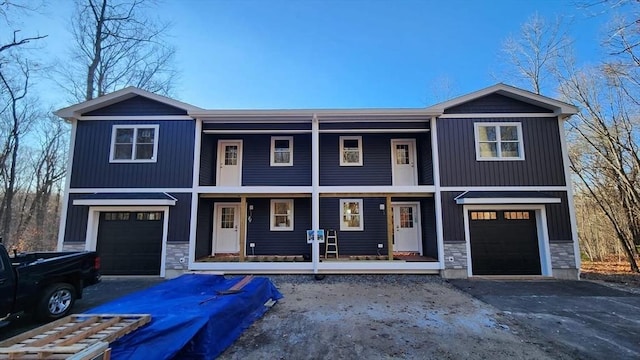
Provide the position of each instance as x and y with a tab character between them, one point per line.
331	244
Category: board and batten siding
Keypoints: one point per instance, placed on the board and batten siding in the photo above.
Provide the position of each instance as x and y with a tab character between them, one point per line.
173	168
269	242
496	103
179	214
135	106
558	221
256	161
376	160
356	242
542	164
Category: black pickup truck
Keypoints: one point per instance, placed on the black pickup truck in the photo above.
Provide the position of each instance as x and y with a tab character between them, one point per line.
45	284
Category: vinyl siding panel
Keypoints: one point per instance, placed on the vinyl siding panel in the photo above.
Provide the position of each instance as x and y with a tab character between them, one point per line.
425	159
558	220
279	242
356	242
76	222
375	125
233	125
91	166
495	103
543	164
256	161
452	218
204	227
428	221
179	218
137	105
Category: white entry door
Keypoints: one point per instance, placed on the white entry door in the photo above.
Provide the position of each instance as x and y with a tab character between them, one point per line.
403	156
229	163
406	223
226	237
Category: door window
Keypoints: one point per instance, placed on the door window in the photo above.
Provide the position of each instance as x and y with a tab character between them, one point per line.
231	155
228	218
402	154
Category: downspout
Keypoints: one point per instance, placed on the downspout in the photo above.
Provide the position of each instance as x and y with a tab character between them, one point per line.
315	191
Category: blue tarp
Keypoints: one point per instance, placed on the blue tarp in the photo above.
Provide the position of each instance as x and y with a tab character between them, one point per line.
190	320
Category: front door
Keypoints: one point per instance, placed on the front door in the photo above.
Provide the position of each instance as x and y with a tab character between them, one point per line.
403	156
229	163
226	237
406	223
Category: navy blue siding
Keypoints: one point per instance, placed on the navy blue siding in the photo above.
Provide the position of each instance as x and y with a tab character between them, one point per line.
137	105
543	164
204	225
76	222
256	163
174	168
376	160
495	103
279	242
375	125
452	218
233	125
179	218
428	220
356	242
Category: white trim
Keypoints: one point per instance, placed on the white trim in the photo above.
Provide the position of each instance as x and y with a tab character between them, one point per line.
135	118
272	225
437	189
498	141
503	188
261	132
341	153
360	202
124	202
374	131
327	267
414	157
541	226
315	193
377	189
196	154
273	149
216	206
254	189
128	190
77	110
570	201
497	115
417	215
193	222
221	154
379	266
472	201
67	185
93	220
135	127
350	115
251	267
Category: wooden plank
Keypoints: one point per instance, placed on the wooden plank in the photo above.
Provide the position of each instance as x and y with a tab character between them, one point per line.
243	226
31	333
92	351
389	227
89	332
66	331
240	284
128	328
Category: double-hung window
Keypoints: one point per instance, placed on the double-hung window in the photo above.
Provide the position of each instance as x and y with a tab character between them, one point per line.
499	141
350	150
134	143
281	215
351	215
282	151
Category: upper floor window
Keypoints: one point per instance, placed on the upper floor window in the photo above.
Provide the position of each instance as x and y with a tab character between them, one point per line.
282	151
351	215
350	150
134	143
282	215
499	141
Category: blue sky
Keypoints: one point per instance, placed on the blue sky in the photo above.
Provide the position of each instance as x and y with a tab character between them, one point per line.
338	54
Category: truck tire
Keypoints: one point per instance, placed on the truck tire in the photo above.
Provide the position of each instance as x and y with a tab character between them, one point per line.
56	302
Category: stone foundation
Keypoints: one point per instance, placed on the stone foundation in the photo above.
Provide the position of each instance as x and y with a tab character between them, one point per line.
563	261
457	251
177	260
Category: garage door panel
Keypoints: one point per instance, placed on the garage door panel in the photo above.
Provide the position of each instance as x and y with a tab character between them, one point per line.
130	243
504	246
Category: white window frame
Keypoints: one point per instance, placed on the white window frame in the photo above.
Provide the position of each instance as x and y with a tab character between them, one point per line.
497	125
154	157
341	154
343	227
272	215
273	150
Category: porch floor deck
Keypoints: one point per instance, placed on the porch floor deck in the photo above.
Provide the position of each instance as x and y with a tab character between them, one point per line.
407	257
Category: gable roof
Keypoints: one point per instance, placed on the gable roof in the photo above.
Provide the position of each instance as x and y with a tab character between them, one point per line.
558	107
75	111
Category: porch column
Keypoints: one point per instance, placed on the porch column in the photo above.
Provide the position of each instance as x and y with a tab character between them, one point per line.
315	191
389	227
243	227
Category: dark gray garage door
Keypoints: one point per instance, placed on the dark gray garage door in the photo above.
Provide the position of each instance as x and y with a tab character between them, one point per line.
130	243
504	243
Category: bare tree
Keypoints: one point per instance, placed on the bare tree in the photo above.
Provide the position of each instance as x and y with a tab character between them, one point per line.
117	45
534	54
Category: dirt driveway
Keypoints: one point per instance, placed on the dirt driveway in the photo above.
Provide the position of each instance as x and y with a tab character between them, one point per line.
384	317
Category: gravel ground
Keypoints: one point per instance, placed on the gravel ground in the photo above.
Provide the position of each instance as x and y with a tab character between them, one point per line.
383	317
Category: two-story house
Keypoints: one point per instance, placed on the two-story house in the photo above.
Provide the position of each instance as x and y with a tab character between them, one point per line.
478	185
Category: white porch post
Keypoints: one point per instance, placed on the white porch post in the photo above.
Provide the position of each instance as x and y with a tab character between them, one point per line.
435	160
194	192
315	191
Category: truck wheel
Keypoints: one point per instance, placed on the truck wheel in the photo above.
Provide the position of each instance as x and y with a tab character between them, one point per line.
56	301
